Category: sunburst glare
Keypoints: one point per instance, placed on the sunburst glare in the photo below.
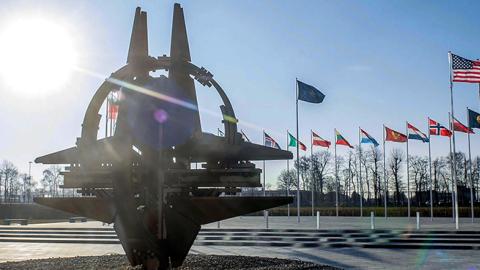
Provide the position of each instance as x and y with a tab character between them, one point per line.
36	56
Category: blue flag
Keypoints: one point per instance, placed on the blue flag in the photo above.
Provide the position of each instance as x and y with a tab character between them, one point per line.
473	119
309	93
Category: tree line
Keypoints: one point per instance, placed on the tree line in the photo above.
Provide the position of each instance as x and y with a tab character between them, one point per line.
16	186
317	172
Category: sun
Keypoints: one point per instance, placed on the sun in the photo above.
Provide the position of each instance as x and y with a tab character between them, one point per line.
36	57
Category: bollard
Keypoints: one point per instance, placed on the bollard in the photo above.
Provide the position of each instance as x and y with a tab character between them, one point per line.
372	220
418	220
266	219
318	220
218	225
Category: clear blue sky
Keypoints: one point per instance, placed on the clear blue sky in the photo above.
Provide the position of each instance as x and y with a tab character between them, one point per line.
377	62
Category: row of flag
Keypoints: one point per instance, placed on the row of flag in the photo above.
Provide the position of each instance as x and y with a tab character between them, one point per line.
461	70
435	128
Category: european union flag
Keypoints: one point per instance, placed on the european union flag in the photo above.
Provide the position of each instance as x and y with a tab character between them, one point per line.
474	119
309	93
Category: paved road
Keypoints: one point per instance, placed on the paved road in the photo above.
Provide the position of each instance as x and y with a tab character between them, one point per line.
347	257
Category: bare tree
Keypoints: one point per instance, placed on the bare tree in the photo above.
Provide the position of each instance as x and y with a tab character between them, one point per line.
319	168
337	182
364	161
419	171
287	179
9	174
395	165
438	173
375	158
304	170
348	174
52	179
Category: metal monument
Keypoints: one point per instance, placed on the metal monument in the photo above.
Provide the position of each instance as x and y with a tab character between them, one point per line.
143	178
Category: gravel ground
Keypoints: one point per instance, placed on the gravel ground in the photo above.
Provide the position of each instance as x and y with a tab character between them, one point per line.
193	262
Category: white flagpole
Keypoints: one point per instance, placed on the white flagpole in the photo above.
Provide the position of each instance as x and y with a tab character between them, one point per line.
106	117
470	168
451	166
408	177
111	120
311	160
298	159
264	187
454	151
288	178
360	172
384	175
430	170
336	173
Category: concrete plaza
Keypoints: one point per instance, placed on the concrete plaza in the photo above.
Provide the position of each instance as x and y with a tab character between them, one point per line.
335	223
347	258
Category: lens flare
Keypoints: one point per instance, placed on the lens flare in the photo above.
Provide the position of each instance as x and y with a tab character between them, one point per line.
161	116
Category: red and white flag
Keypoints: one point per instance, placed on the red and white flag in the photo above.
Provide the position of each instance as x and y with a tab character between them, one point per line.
319	141
458	126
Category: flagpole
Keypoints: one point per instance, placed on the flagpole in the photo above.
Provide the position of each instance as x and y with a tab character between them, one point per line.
106	118
288	178
298	156
430	170
454	151
408	176
384	175
111	120
311	160
264	187
470	168
336	173
451	166
360	172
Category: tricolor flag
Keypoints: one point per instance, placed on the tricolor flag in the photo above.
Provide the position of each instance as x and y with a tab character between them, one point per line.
394	136
458	126
436	129
366	138
339	139
292	141
465	70
319	141
269	141
244	136
415	134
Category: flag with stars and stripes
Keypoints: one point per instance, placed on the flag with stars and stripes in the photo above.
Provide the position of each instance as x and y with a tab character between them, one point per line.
465	70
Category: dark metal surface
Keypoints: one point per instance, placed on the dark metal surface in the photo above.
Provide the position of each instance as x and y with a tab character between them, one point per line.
142	178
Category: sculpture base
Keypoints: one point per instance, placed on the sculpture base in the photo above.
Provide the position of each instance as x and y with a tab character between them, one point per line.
193	262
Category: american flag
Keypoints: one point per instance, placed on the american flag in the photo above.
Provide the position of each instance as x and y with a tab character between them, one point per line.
465	70
269	141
